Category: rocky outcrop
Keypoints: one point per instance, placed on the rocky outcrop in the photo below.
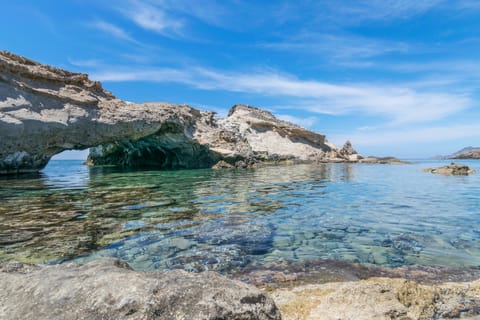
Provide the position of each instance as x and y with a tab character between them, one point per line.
451	169
380	298
109	289
347	152
247	137
45	110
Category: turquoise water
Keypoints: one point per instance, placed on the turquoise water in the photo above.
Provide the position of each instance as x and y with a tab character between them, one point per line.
226	220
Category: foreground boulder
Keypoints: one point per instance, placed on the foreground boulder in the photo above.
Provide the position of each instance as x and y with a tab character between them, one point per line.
45	110
451	169
109	289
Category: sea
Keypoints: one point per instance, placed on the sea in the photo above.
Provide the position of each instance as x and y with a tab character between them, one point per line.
373	215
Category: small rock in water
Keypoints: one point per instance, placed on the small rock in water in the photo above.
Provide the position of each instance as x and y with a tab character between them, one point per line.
452	169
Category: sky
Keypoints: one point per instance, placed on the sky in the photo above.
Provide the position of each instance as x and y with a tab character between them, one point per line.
398	78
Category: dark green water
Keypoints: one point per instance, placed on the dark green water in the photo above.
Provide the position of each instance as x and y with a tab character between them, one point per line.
227	220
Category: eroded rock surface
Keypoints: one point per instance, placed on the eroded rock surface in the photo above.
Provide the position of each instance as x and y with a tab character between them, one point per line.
451	169
380	298
45	110
109	289
247	137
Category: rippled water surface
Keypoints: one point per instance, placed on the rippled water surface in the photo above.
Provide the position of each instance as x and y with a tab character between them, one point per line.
226	220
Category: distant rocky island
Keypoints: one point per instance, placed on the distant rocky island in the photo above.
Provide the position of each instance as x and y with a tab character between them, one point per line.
465	153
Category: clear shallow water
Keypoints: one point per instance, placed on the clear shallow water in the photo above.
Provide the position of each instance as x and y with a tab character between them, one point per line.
227	220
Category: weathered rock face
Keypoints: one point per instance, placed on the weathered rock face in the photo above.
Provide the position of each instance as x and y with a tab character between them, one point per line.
451	169
349	153
45	110
109	289
246	137
380	298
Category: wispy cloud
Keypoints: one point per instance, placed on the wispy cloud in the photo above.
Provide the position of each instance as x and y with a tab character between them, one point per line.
337	46
398	104
112	30
354	12
153	18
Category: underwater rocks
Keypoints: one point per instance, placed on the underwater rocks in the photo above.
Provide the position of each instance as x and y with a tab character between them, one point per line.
110	289
46	110
451	169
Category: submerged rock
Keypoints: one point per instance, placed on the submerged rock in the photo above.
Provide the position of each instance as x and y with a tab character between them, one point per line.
109	289
451	169
45	110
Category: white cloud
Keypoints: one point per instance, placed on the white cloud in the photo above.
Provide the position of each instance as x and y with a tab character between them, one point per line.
112	30
398	104
153	18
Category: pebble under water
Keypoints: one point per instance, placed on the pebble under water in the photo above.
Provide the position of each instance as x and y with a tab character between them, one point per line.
231	220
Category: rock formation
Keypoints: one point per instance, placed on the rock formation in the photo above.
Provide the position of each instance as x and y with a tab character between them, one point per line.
248	136
109	289
349	153
45	110
451	169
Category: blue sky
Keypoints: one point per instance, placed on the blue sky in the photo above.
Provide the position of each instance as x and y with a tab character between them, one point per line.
395	77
